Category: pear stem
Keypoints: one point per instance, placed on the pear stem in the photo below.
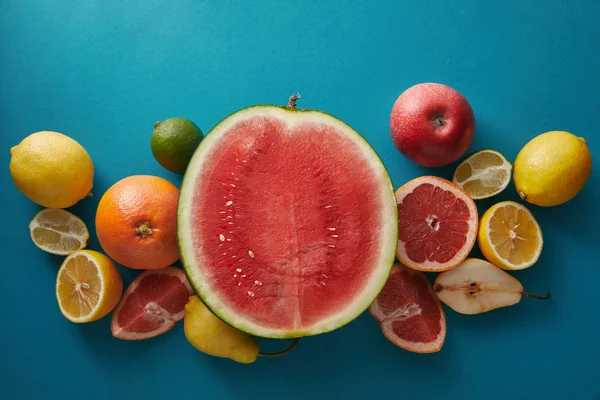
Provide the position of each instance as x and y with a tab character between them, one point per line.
536	296
281	353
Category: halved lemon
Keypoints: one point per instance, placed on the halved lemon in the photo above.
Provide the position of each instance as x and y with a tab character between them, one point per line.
58	231
88	286
509	236
483	174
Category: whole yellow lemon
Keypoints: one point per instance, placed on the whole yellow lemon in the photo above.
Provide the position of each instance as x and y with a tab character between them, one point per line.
552	168
51	169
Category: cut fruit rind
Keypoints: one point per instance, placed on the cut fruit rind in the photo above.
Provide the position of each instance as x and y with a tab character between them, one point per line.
437	224
409	312
289	125
483	174
58	231
510	236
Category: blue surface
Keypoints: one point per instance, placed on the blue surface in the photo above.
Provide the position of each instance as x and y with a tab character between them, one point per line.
104	71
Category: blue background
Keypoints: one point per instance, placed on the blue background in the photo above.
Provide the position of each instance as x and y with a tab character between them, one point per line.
104	71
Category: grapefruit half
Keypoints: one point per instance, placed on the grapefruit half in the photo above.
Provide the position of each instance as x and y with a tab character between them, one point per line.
287	222
409	312
151	305
437	224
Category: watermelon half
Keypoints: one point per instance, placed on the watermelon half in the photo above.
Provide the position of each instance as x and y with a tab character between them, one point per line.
287	222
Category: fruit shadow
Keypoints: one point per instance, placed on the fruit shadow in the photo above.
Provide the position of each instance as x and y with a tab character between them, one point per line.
445	171
86	208
53	260
482	134
334	357
98	338
102	346
294	369
578	218
572	222
393	357
526	313
544	277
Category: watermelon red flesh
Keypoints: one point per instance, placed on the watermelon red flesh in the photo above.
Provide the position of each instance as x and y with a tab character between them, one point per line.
433	220
287	224
409	312
153	303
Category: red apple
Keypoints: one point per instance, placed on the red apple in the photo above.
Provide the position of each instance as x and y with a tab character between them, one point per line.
432	124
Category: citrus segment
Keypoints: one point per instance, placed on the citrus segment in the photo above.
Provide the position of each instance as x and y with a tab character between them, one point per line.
409	312
58	231
88	286
483	174
151	305
437	224
510	237
287	222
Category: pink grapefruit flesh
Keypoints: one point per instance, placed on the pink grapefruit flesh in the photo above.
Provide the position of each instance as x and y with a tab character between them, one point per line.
284	222
409	312
151	305
437	224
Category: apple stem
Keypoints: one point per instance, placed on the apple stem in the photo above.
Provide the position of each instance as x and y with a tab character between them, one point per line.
281	353
536	296
293	99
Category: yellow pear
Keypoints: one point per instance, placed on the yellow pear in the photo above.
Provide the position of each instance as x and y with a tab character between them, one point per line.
207	333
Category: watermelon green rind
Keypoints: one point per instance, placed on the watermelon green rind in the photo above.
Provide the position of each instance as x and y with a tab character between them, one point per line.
187	252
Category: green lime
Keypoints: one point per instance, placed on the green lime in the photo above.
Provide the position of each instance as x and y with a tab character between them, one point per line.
174	141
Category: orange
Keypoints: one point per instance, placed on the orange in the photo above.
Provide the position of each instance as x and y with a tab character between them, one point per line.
88	286
136	222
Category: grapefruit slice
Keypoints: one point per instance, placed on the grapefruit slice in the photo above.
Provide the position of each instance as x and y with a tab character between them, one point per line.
287	222
409	312
151	305
437	224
